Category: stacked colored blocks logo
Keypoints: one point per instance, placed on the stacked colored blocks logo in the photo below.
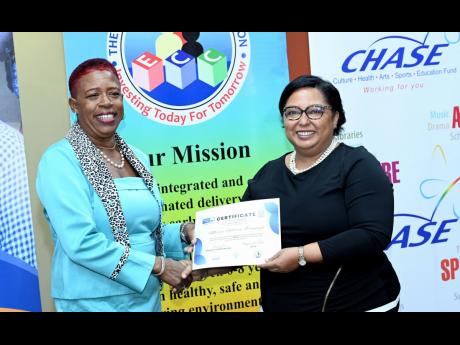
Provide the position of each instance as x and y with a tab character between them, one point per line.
184	78
180	69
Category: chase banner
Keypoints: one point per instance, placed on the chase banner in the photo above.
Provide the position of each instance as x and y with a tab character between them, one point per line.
400	94
203	107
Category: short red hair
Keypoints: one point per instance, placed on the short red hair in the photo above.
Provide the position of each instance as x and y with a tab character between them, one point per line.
96	64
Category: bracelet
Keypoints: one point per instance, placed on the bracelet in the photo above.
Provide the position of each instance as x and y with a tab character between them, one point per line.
182	232
162	269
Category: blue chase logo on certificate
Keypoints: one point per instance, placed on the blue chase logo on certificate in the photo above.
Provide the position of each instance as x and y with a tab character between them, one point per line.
244	233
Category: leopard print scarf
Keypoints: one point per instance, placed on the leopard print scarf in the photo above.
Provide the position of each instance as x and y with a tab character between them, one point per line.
98	174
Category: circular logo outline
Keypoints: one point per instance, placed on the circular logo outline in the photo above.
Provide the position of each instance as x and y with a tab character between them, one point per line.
193	113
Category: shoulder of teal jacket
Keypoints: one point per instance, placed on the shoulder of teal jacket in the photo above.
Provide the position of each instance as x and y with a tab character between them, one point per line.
57	166
58	158
56	152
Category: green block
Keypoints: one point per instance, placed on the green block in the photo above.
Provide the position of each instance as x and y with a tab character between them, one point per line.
212	67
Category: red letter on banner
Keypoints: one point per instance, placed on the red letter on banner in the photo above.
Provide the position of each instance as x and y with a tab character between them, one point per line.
456	117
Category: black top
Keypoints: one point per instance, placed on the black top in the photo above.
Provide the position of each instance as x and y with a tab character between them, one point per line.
345	204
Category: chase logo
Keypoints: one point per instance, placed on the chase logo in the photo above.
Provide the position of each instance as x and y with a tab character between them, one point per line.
414	230
399	52
180	78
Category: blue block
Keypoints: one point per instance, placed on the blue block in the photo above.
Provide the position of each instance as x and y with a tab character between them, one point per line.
180	69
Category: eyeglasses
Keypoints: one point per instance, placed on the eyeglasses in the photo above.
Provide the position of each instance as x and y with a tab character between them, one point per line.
313	112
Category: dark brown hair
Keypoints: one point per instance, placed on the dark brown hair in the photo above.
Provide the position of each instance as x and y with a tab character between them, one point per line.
329	91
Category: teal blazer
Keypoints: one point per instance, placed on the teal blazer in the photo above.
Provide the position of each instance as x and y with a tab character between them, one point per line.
85	253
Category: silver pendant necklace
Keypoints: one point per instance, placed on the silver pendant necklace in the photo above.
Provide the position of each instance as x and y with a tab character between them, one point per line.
327	152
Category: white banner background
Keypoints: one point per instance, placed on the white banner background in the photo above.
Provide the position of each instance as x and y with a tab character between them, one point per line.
403	106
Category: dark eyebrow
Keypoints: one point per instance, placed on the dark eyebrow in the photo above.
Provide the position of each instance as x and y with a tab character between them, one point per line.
311	105
92	90
98	89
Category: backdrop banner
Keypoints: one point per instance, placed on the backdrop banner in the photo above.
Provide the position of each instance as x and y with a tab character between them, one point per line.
19	289
203	107
400	94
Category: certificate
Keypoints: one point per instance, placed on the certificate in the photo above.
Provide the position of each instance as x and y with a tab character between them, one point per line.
245	233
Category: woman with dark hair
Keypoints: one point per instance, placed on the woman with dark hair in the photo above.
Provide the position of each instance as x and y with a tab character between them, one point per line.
336	212
112	251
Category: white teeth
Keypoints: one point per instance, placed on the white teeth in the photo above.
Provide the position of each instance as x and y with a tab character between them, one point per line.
305	133
105	116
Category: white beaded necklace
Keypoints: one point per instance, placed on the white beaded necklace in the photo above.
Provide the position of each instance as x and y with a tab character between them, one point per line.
323	156
116	165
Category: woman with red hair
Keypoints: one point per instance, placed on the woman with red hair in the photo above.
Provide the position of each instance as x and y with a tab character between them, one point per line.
112	251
